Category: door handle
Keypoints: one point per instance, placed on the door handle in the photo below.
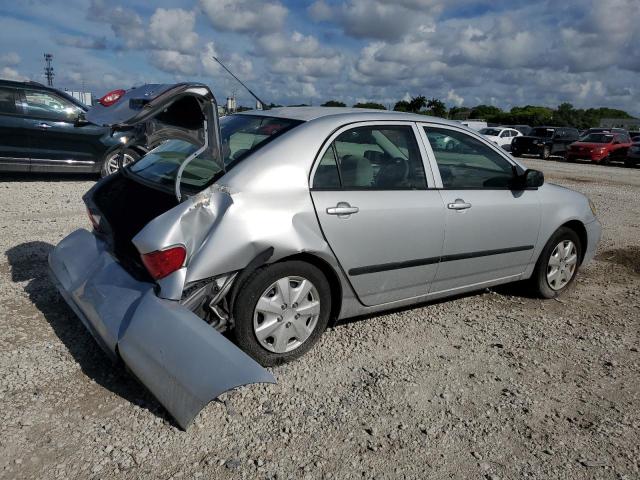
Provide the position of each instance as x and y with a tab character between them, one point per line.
459	204
44	125
342	209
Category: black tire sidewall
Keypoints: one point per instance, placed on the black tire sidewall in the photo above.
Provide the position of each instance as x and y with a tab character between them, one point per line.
251	291
539	277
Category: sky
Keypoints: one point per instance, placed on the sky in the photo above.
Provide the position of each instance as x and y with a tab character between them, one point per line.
464	52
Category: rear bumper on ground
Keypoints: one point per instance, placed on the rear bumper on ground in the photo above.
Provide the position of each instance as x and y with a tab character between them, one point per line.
183	361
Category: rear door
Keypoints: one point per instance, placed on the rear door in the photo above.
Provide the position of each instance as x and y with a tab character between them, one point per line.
490	229
385	226
14	137
57	143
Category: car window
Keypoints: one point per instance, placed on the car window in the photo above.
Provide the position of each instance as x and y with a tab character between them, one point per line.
466	162
377	158
327	176
8	101
46	105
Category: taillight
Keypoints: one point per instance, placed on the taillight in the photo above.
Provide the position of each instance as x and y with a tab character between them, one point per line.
111	97
161	263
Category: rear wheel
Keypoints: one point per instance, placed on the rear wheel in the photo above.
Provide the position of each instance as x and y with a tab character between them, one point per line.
111	162
281	311
628	163
558	264
546	153
606	160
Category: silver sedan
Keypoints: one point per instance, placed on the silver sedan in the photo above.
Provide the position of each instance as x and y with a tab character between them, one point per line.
260	229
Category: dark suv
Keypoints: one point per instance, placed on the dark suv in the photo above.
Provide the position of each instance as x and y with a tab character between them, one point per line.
544	142
43	130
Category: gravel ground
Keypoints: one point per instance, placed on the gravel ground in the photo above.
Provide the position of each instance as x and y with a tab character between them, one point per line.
491	385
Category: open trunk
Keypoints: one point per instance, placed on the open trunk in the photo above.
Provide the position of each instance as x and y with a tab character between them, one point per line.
127	206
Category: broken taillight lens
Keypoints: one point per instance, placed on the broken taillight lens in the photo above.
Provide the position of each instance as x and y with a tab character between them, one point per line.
111	97
161	263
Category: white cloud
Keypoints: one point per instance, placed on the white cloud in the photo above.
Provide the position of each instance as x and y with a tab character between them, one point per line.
172	61
454	98
10	58
173	29
8	73
248	16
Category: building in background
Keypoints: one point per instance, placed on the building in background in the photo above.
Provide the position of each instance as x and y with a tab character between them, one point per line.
84	97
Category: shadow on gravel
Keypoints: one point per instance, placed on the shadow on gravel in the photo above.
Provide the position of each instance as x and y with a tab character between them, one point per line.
28	263
627	257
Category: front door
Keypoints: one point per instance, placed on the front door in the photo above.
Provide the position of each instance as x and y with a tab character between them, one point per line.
383	224
491	230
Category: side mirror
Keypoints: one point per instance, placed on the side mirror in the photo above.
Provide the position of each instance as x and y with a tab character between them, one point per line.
81	120
529	179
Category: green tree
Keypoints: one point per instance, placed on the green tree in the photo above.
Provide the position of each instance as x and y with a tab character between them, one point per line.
485	112
417	103
376	106
333	103
459	113
437	108
401	106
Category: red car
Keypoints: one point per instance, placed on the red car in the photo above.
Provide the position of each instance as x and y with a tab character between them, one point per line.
600	147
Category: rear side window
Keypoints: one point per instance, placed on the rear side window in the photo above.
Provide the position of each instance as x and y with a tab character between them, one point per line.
8	100
372	157
466	162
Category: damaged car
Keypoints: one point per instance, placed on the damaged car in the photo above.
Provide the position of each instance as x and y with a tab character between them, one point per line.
234	243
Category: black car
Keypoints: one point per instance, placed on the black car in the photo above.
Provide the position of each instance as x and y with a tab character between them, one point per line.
523	129
43	130
544	142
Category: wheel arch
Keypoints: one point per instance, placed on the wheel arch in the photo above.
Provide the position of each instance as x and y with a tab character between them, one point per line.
578	227
332	278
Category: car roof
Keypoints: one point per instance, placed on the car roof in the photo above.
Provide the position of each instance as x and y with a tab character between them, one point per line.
346	114
40	86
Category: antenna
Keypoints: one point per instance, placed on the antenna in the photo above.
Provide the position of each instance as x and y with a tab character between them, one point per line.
264	105
48	69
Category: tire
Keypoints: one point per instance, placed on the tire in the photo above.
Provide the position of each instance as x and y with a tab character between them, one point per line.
546	153
273	348
109	165
515	154
628	163
540	283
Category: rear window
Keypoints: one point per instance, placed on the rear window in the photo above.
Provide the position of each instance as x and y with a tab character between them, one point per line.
542	132
241	135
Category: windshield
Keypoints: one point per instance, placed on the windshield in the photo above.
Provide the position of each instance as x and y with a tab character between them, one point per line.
542	132
241	135
492	132
597	138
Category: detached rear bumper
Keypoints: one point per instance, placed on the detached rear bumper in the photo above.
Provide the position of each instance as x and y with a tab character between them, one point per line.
183	361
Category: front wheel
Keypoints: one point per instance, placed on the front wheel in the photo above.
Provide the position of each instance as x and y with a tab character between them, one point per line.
111	164
546	153
281	311
558	264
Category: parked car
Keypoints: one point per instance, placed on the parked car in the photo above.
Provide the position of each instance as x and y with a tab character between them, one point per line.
475	124
544	142
523	129
621	131
633	155
501	136
600	148
282	221
43	130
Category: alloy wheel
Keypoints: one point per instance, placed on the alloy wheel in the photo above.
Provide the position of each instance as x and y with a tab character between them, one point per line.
286	314
562	265
112	162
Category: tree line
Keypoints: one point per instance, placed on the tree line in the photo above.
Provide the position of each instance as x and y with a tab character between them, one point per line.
565	115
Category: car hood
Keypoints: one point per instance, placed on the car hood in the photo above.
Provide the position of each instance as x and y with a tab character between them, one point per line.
161	111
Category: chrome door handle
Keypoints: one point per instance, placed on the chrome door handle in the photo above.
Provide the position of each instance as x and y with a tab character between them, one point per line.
342	209
44	125
459	204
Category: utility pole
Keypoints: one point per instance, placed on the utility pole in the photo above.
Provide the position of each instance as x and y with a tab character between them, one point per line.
48	69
